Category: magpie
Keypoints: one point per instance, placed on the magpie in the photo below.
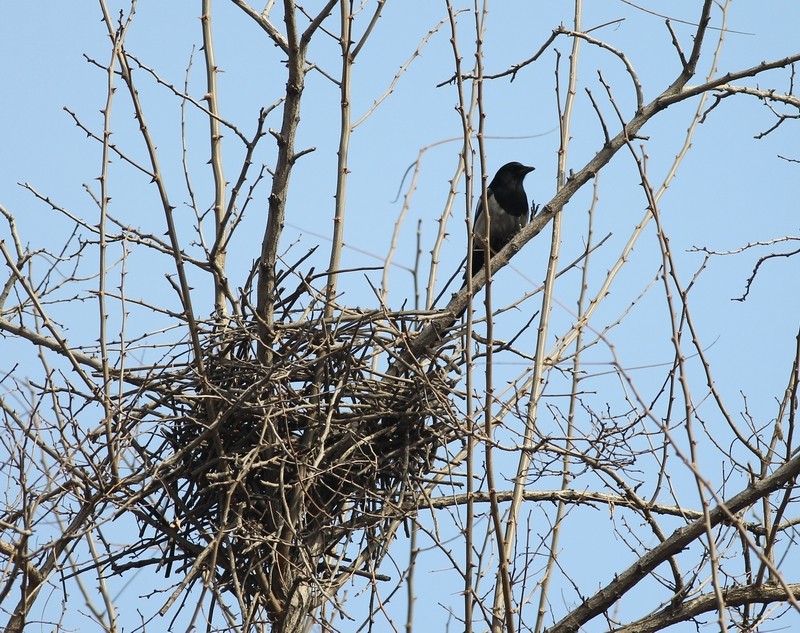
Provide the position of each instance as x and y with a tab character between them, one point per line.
508	212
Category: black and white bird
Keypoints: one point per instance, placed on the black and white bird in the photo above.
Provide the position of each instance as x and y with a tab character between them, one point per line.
508	212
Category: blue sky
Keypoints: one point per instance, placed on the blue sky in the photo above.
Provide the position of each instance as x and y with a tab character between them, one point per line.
729	190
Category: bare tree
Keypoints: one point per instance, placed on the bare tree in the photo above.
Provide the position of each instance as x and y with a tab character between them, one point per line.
253	441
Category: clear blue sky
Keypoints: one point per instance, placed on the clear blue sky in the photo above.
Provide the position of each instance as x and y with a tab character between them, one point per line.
730	189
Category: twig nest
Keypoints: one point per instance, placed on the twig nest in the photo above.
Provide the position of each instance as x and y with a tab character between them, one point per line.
283	466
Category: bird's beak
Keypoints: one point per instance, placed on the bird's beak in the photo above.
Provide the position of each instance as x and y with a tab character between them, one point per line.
529	169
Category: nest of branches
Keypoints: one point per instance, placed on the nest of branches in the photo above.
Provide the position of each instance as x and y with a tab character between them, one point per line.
292	457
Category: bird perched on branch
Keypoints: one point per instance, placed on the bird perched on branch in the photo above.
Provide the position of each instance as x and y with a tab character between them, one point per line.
508	212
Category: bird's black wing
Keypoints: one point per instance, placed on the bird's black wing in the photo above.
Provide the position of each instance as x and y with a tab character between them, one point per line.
502	227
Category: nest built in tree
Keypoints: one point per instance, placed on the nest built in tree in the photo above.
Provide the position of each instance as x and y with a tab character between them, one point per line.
296	471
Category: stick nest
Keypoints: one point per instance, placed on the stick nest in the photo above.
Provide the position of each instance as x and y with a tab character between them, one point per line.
293	465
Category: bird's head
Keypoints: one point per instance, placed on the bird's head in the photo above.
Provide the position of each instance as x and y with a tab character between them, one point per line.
512	173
